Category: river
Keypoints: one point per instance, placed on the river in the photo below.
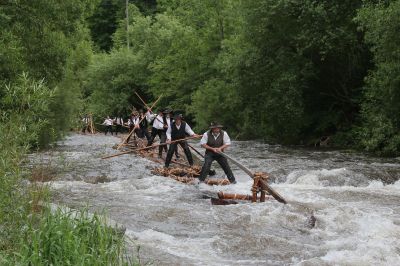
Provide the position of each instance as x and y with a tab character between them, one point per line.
354	198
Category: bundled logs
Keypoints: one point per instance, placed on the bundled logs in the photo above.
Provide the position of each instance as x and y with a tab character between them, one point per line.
228	198
187	175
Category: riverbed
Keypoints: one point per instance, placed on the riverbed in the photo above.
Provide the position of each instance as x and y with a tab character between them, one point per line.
354	198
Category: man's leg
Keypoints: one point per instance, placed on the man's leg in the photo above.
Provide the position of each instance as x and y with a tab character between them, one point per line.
188	154
146	134
129	134
208	159
170	153
163	139
223	162
154	133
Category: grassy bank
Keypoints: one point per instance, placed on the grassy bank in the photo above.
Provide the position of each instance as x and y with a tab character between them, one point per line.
31	233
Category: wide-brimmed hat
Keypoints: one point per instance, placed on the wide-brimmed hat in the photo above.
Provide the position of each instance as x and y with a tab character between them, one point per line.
167	110
215	125
178	116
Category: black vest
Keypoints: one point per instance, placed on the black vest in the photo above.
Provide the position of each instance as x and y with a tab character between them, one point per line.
215	143
144	123
178	133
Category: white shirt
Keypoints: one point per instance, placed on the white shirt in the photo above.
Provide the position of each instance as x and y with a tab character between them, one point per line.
226	139
119	120
188	130
158	122
134	121
108	122
152	117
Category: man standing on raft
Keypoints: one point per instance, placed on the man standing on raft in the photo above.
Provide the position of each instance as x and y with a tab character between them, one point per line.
215	141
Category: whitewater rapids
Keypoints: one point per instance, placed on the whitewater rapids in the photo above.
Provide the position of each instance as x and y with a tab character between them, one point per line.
355	200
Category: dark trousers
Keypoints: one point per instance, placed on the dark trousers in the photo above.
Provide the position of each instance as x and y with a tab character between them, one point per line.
84	128
108	129
222	161
173	149
118	128
163	138
145	133
131	127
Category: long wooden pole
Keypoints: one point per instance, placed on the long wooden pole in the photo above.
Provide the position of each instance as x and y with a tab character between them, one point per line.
129	135
149	147
264	185
193	148
145	104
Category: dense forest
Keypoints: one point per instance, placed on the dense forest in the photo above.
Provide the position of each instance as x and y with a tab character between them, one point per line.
284	71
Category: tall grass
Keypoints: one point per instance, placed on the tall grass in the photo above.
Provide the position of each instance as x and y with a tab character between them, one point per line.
30	232
69	238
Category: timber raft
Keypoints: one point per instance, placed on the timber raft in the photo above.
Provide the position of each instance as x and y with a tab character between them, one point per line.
181	172
261	190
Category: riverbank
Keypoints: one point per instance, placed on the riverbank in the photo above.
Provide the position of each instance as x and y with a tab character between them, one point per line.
356	210
35	232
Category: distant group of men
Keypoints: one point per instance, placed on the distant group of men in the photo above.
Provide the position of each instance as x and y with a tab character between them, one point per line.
172	129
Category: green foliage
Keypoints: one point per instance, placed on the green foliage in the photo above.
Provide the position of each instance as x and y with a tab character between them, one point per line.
70	238
380	130
103	23
297	76
219	101
111	81
27	103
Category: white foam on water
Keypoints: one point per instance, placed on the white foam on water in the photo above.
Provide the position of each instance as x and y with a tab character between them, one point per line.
357	220
326	177
372	239
196	250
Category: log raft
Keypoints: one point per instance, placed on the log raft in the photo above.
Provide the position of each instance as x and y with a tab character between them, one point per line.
181	171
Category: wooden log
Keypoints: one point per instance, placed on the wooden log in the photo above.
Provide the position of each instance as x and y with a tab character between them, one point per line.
229	196
222	202
264	185
217	181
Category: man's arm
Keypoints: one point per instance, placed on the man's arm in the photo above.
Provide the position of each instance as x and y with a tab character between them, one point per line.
203	143
150	116
189	131
227	142
169	134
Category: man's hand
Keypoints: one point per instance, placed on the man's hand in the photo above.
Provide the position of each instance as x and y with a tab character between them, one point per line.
197	135
168	141
217	150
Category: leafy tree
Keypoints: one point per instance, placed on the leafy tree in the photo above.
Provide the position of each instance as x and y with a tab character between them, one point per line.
103	23
380	129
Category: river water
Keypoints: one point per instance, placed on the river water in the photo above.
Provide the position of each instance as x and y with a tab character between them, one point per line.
355	200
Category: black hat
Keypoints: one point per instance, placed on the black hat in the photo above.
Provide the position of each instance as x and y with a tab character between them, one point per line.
167	111
215	125
178	116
